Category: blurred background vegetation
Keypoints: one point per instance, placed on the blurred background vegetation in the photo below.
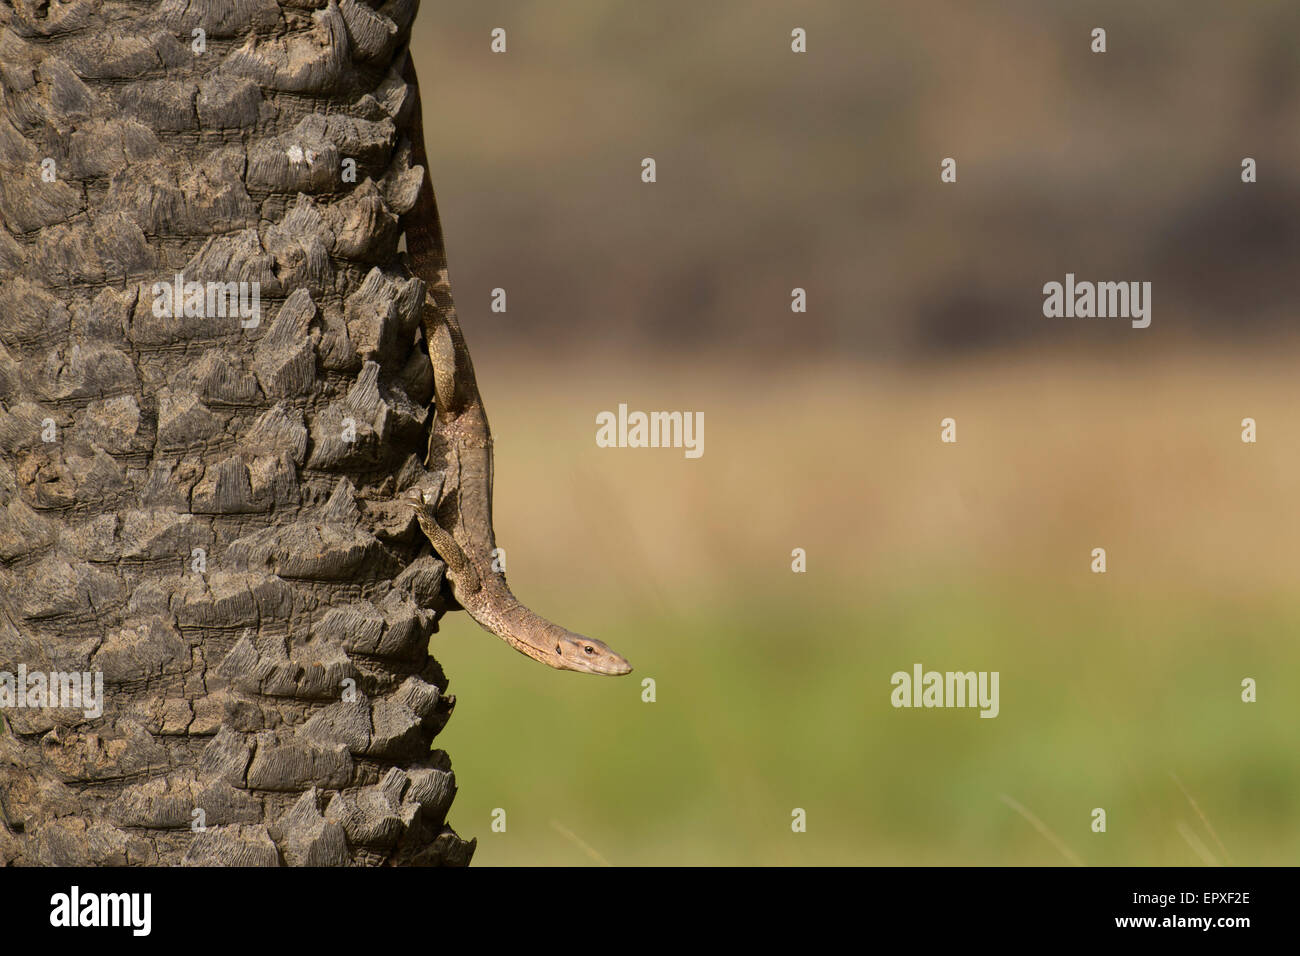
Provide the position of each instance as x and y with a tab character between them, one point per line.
777	170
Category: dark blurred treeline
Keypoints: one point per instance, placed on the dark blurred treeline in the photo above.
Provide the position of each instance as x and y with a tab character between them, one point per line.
821	170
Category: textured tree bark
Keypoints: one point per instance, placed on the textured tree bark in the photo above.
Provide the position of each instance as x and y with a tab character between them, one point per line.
205	507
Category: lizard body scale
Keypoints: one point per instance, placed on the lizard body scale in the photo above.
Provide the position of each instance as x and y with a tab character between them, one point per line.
457	519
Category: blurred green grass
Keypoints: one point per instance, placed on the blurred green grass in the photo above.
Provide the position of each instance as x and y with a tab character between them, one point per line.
767	705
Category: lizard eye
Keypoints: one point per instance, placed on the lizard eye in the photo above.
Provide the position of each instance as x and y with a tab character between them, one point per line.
558	649
589	649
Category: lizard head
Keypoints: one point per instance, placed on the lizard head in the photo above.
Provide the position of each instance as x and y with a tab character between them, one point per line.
573	652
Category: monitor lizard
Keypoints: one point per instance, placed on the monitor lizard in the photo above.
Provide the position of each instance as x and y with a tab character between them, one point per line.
456	515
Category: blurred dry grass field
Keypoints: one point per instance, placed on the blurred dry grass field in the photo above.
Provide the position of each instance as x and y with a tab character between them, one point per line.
1054	457
773	687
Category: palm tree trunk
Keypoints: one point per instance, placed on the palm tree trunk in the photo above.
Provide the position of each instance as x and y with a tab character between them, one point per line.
202	505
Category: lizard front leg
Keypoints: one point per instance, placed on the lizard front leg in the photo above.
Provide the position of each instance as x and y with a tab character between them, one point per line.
464	579
484	594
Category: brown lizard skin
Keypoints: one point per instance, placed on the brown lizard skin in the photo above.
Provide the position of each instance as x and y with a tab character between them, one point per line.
457	518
